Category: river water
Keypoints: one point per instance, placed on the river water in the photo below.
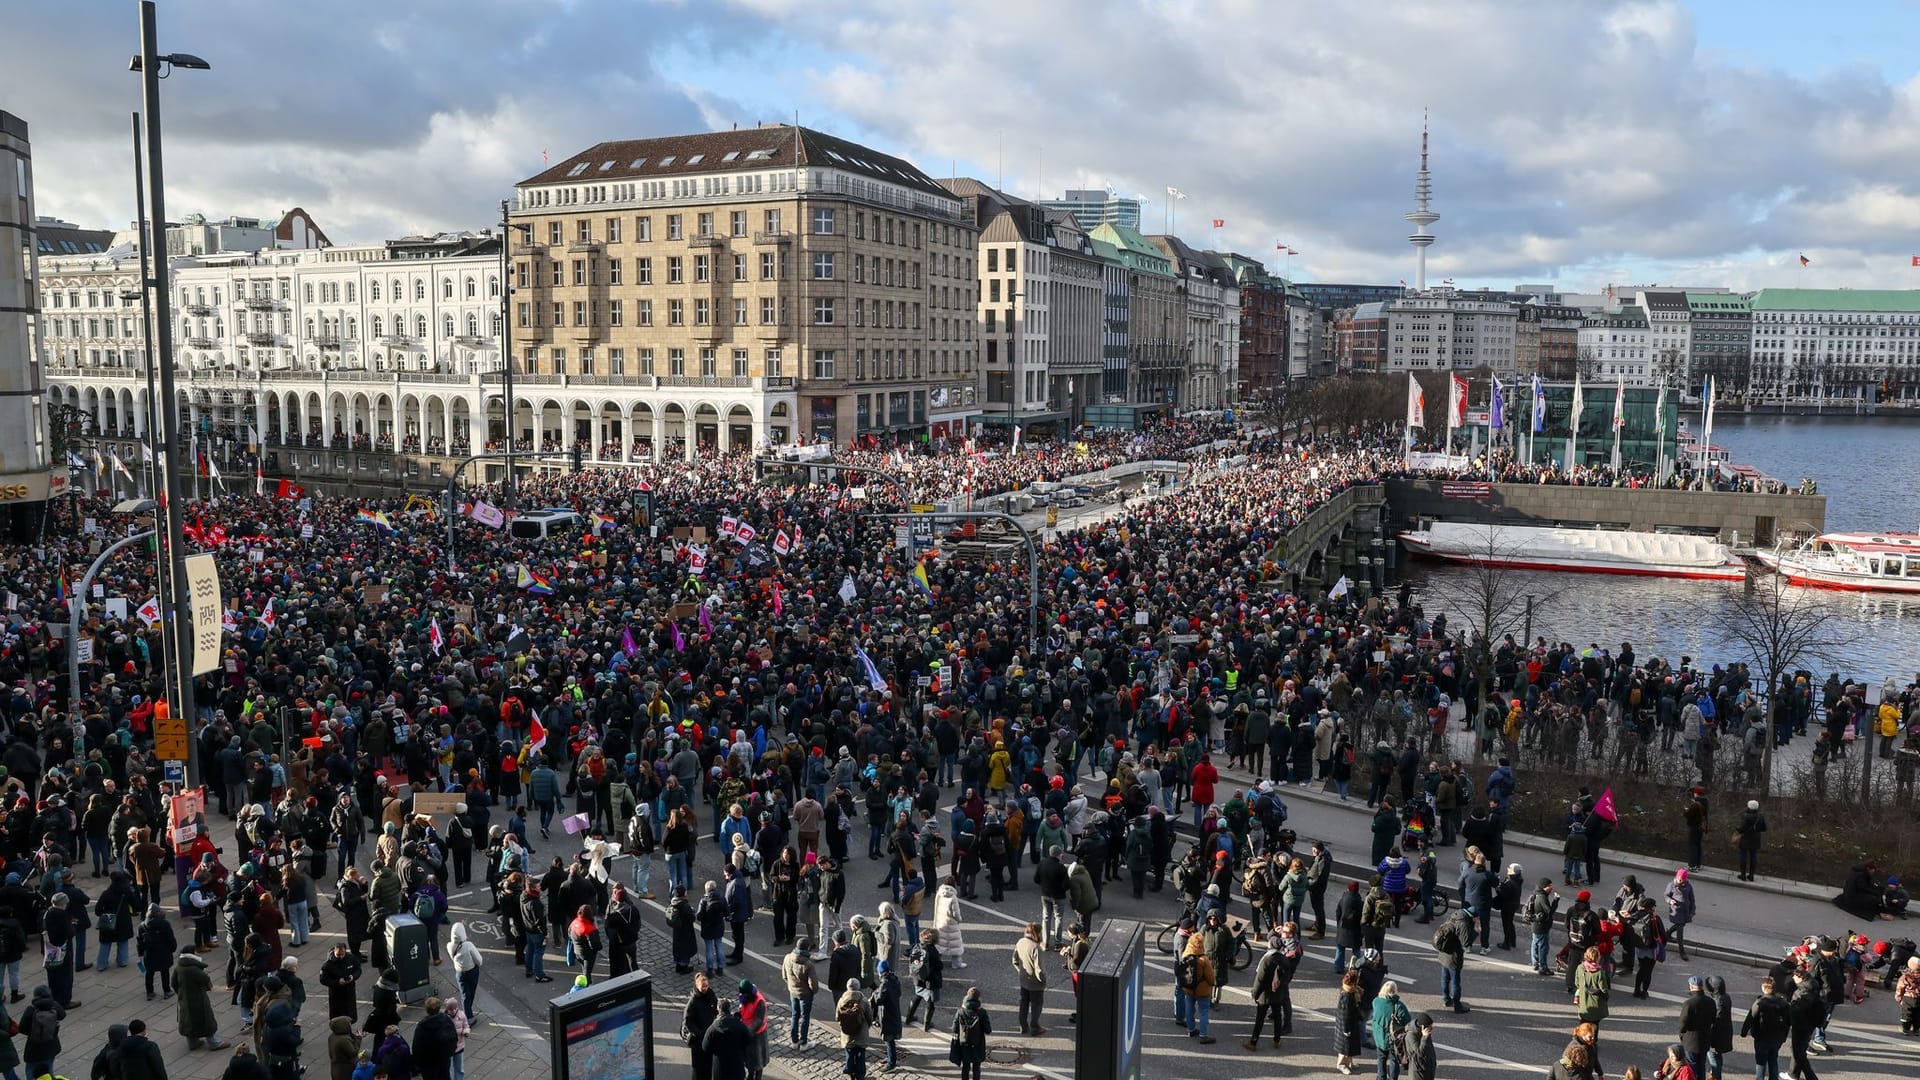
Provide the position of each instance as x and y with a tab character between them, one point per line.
1868	468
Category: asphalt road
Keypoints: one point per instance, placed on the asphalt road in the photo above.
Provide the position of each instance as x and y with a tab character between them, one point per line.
1519	1020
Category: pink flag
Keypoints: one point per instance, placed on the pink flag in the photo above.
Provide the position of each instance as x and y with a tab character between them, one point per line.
1603	807
706	621
778	605
626	642
679	642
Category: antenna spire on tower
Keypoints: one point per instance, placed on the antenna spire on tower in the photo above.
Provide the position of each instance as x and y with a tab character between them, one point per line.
1422	214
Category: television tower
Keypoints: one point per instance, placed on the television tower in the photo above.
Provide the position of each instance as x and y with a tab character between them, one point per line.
1422	214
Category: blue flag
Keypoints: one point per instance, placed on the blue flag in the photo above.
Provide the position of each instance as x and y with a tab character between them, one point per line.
1497	417
1539	407
873	673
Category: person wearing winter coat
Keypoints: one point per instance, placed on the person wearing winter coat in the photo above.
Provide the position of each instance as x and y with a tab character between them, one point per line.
1081	894
466	965
40	1025
796	971
106	1062
139	1057
1591	987
280	1041
928	968
971	1027
886	1011
115	914
9	1054
193	1002
1389	1015
340	974
395	1056
1680	908
855	1020
947	922
696	1019
1349	1022
383	1011
343	1048
157	945
434	1043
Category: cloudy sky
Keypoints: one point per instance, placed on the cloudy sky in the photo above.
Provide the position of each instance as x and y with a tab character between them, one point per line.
1701	142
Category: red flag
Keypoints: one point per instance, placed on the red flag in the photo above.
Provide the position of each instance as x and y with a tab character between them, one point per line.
1603	807
536	733
1804	260
290	490
1219	223
1916	260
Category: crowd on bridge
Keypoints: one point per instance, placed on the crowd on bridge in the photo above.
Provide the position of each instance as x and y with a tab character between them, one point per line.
747	712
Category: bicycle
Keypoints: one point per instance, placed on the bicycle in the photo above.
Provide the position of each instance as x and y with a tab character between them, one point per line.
1242	945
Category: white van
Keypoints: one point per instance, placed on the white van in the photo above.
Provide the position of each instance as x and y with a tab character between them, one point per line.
540	524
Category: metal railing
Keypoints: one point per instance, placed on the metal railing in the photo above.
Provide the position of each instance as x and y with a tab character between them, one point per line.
259	303
773	238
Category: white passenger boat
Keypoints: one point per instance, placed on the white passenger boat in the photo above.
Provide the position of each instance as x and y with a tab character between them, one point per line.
1587	551
1863	562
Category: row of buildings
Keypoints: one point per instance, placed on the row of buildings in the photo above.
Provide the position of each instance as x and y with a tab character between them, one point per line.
757	287
1787	346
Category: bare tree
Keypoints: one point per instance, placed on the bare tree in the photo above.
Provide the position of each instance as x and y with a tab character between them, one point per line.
1490	597
1779	629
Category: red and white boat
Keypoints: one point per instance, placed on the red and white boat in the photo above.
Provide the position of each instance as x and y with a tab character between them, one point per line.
1862	562
1585	551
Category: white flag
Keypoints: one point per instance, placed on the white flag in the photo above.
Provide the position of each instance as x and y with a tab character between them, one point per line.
487	514
149	612
267	617
434	636
847	591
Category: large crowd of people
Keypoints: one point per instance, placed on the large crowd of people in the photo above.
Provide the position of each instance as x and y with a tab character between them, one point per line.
756	709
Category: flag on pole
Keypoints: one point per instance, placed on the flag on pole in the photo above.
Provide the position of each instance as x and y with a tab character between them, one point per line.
919	577
534	583
229	621
149	612
1219	223
1579	403
1174	192
679	639
1497	409
259	480
121	467
99	464
1619	403
706	621
536	733
729	525
866	664
1456	401
267	617
487	514
744	534
1416	403
213	471
1804	260
778	604
847	591
602	523
1660	415
1539	407
781	543
1603	807
627	645
1016	439
1340	588
434	637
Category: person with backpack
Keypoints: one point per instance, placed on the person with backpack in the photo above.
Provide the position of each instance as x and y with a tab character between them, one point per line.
1377	916
796	970
585	939
1451	941
1272	985
1348	925
1389	1026
1768	1023
970	1030
855	1018
430	907
1193	977
1538	913
40	1024
928	969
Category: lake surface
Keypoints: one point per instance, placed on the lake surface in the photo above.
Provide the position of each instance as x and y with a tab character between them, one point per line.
1869	469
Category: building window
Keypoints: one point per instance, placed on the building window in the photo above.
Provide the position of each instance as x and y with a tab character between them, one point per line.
616	313
559	273
673	227
823	221
823	266
446	326
709	364
737	223
676	313
704	222
823	363
613	272
739	268
378	326
859	225
642	229
702	312
559	314
859	365
767	311
766	266
739	311
643	271
859	312
586	361
772	221
739	363
643	313
702	268
616	361
770	364
823	311
613	230
646	361
675	270
553	234
473	326
676	362
579	271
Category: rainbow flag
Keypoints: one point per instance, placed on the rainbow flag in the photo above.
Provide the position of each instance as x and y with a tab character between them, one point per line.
377	519
919	576
534	583
602	523
65	594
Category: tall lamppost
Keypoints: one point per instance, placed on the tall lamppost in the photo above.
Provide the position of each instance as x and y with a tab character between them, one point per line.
154	66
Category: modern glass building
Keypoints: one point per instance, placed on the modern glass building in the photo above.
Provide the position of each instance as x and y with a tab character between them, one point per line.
1641	437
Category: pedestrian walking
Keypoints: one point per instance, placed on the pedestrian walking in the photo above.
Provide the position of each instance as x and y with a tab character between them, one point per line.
702	1009
1349	1023
193	1001
157	944
971	1026
1389	1023
1450	941
796	971
1680	908
855	1018
1592	987
887	1014
466	965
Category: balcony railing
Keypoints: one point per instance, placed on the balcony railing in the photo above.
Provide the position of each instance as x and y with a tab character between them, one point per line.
328	341
529	249
725	382
198	309
472	341
777	382
396	341
773	238
259	303
199	343
706	242
583	245
260	337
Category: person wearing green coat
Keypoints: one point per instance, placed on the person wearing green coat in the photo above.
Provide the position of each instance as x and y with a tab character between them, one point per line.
193	1001
1293	891
1082	894
1139	855
1389	1014
1592	987
1386	831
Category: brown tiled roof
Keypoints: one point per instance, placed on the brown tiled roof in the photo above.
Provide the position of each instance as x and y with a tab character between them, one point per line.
772	146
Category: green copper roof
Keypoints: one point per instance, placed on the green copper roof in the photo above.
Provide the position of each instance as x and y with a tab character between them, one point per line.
1136	251
1872	300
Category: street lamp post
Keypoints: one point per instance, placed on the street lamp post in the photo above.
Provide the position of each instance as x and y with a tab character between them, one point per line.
506	345
173	599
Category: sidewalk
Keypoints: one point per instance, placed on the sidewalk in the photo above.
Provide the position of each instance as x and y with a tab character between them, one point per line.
500	1044
1751	920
